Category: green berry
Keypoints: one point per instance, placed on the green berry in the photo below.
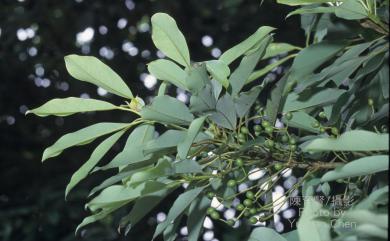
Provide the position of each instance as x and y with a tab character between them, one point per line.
292	141
239	162
257	107
334	131
322	129
210	195
241	136
240	207
269	129
293	147
244	130
289	116
210	210
278	166
248	203
257	128
370	102
230	222
257	133
231	183
215	215
265	123
269	143
253	211
322	115
253	220
315	124
247	213
250	195
284	138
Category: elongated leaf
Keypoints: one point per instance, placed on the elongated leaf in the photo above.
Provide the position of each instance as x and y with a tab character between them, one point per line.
277	99
360	167
265	234
248	63
81	137
203	101
92	70
245	100
193	130
167	109
69	106
351	10
311	10
111	181
95	157
169	139
300	2
321	98
161	169
225	116
219	71
275	49
168	38
178	207
133	150
310	227
241	48
196	216
187	166
303	121
355	140
197	78
167	70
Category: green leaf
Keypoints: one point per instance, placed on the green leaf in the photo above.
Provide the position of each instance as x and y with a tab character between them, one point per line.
379	196
167	70
311	10
169	139
355	140
351	10
310	227
275	49
187	166
197	78
133	150
70	105
303	121
168	110
248	63
81	137
92	70
225	116
178	207
312	57
168	38
241	48
139	211
296	102
291	236
300	2
203	101
265	234
161	169
277	99
219	71
184	147
111	180
95	157
360	167
196	216
245	100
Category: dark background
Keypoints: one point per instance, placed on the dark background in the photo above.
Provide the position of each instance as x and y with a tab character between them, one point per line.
35	35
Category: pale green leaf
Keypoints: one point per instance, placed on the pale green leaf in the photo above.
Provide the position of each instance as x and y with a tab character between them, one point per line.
184	146
167	70
71	105
301	2
311	10
95	157
197	78
355	140
81	137
265	234
360	167
168	38
167	109
219	71
275	49
196	216
92	70
245	100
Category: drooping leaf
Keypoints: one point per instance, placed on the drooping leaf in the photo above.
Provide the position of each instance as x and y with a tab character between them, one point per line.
162	169
196	216
265	234
324	97
81	137
92	70
95	157
245	100
193	130
225	114
168	71
178	207
168	38
360	167
303	121
219	71
355	140
248	63
241	48
310	226
167	109
70	105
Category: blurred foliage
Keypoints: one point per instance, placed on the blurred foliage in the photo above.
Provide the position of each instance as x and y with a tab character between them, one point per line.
36	34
